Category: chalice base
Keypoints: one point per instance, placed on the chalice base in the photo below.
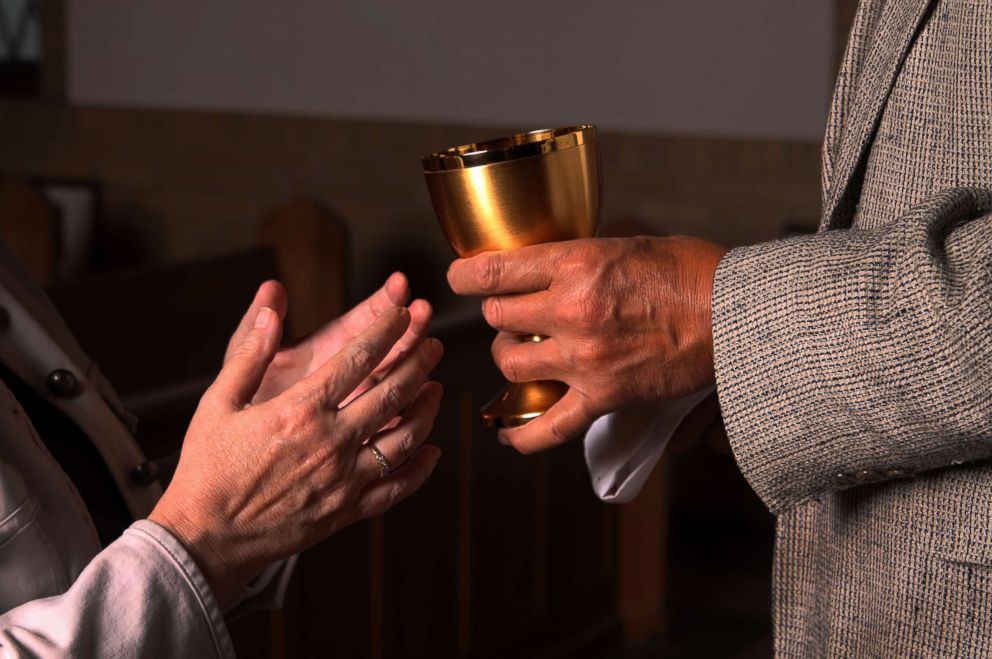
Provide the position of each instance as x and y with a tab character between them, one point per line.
520	402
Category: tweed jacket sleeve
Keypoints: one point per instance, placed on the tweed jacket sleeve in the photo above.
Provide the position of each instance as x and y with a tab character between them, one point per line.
853	356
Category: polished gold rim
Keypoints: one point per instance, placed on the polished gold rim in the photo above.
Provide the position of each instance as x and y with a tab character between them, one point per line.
514	147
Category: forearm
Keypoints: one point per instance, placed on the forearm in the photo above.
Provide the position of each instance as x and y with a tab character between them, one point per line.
855	352
142	596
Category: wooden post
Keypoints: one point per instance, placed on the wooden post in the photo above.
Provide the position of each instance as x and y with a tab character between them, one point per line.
641	558
28	226
309	242
467	421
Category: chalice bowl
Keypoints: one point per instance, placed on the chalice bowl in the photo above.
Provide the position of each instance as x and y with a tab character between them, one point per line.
525	189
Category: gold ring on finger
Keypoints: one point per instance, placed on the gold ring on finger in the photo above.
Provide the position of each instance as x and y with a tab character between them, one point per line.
380	460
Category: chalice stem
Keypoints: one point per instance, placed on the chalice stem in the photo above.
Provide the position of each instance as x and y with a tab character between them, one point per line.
520	402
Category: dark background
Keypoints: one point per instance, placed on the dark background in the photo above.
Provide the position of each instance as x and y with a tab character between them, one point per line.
152	225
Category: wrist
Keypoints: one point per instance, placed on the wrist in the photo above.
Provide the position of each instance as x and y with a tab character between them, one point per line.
219	564
707	277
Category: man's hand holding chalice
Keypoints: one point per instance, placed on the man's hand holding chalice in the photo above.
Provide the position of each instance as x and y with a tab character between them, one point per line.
627	321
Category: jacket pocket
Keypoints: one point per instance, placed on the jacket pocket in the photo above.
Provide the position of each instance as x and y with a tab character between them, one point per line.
30	565
18	509
952	513
975	552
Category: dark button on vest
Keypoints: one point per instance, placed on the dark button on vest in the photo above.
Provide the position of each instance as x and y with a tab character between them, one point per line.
145	473
74	452
845	479
62	383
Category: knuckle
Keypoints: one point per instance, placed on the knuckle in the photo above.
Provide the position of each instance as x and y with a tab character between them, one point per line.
361	357
295	421
521	448
299	499
346	432
518	440
391	396
266	425
319	397
509	366
251	346
282	359
643	244
582	268
210	397
324	460
324	472
407	442
336	502
572	313
489	272
588	352
394	494
591	311
575	263
558	433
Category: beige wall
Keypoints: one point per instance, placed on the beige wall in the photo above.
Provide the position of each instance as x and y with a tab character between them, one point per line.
259	89
185	184
740	68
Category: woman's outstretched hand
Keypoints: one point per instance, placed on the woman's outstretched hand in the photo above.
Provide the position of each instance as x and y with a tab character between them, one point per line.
261	477
294	363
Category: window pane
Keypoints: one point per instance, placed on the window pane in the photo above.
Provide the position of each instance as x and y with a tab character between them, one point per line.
20	31
20	47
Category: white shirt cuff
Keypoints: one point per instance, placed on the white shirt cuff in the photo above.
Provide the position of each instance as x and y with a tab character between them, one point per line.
266	592
622	448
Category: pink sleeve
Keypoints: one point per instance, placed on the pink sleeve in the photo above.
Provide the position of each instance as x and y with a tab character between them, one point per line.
142	596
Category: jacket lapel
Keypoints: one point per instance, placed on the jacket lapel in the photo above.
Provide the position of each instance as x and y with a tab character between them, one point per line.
33	299
43	343
897	25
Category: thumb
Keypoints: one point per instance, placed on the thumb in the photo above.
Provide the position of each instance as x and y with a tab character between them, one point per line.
242	374
270	294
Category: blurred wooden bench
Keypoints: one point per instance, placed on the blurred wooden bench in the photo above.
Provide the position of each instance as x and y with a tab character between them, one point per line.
499	554
28	225
158	333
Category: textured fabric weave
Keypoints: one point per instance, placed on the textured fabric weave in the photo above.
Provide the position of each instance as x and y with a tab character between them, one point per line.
854	367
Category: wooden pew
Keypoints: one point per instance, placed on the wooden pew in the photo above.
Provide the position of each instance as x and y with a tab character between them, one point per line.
499	554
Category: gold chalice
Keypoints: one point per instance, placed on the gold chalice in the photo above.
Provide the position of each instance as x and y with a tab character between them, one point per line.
525	189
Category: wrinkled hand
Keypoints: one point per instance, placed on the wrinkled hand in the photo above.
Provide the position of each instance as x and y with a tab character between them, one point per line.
257	482
297	362
627	321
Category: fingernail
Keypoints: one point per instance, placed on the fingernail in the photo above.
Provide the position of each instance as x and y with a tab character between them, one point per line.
434	348
502	439
424	306
395	280
264	317
453	271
